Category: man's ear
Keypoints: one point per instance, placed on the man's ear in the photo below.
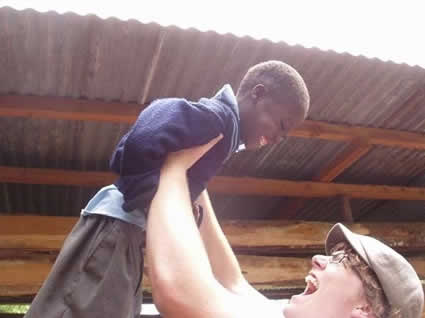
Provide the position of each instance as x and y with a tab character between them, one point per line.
362	311
258	92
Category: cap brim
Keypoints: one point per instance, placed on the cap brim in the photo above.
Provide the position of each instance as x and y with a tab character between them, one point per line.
340	233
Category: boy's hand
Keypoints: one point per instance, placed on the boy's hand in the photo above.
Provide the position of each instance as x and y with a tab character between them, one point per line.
186	158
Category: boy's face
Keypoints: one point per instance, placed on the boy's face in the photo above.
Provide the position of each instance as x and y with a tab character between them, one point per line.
269	121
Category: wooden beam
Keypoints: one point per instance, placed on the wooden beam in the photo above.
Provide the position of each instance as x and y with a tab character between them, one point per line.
224	185
23	277
76	109
309	189
310	236
67	108
347	213
56	177
271	293
34	232
19	277
47	233
12	315
26	277
353	152
346	159
371	136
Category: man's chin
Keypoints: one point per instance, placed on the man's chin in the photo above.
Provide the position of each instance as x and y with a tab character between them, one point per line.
298	307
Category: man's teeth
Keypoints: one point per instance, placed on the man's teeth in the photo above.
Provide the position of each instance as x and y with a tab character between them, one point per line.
312	283
312	280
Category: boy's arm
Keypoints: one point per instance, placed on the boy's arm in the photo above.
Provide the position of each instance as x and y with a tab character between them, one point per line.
165	126
223	261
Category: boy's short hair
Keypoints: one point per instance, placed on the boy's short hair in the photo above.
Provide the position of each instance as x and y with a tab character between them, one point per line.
283	82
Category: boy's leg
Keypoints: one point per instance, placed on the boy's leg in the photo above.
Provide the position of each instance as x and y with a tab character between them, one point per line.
97	273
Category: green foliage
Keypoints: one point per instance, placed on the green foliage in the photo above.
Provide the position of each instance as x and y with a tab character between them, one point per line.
14	309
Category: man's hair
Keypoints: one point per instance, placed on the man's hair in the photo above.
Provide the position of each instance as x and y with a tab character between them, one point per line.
373	291
282	81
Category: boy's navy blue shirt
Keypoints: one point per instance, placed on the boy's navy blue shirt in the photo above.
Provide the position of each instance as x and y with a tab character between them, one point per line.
168	125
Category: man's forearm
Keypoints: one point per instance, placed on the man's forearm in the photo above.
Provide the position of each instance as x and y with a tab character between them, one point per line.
178	260
222	259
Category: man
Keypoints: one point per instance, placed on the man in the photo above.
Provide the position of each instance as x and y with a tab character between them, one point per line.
194	273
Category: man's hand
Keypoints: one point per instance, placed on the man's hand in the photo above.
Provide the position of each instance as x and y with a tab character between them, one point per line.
186	158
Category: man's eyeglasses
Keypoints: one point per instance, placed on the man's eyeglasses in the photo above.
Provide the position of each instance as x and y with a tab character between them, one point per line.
337	257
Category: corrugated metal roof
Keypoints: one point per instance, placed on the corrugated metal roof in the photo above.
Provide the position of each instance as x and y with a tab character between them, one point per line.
293	159
383	165
127	61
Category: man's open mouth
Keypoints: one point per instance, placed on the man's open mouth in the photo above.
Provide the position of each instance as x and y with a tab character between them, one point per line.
312	284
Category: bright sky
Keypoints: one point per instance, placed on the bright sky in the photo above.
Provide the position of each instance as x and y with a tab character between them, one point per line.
387	29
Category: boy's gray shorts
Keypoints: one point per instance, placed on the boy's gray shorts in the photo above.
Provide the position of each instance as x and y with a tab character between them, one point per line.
97	273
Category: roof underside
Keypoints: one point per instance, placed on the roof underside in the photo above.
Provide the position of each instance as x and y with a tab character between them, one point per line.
47	54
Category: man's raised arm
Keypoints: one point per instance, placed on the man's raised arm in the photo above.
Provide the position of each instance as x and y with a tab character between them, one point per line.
223	261
183	283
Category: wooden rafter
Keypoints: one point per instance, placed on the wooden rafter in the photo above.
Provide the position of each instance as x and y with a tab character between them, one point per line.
224	185
56	177
268	187
75	109
353	152
346	159
346	211
33	234
19	277
23	277
67	108
47	233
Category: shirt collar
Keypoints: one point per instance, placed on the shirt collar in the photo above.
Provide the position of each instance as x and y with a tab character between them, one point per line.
228	97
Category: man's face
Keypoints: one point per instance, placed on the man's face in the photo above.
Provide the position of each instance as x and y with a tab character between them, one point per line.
269	122
332	290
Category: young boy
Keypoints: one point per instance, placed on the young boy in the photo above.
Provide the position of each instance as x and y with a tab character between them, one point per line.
359	278
271	100
100	267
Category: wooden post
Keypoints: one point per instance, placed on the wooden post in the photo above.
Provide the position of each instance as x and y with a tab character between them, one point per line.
347	213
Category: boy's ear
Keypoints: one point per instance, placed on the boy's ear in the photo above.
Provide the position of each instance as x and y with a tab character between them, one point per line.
258	92
362	311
